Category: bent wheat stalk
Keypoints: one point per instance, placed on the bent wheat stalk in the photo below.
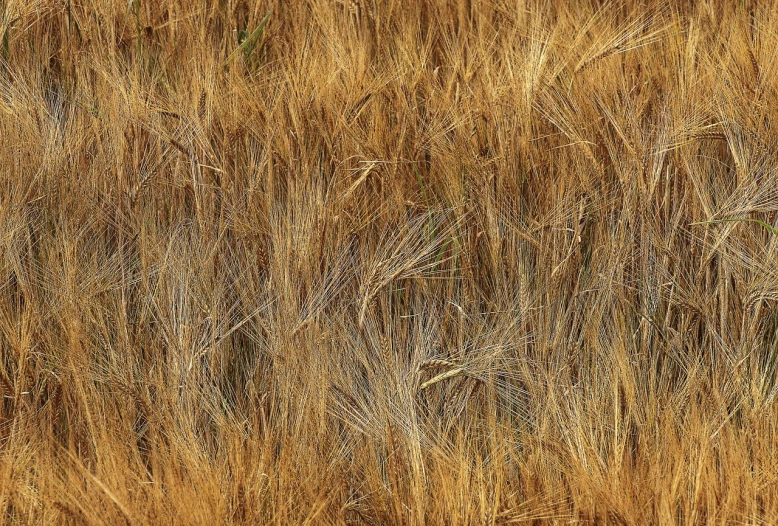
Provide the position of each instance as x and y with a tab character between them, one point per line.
769	228
452	373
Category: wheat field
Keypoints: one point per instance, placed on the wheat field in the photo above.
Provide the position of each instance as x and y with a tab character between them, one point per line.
380	262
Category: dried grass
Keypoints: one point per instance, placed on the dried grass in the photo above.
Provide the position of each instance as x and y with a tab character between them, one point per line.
355	262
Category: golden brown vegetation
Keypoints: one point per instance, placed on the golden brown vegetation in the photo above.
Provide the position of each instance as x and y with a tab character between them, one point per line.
382	262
